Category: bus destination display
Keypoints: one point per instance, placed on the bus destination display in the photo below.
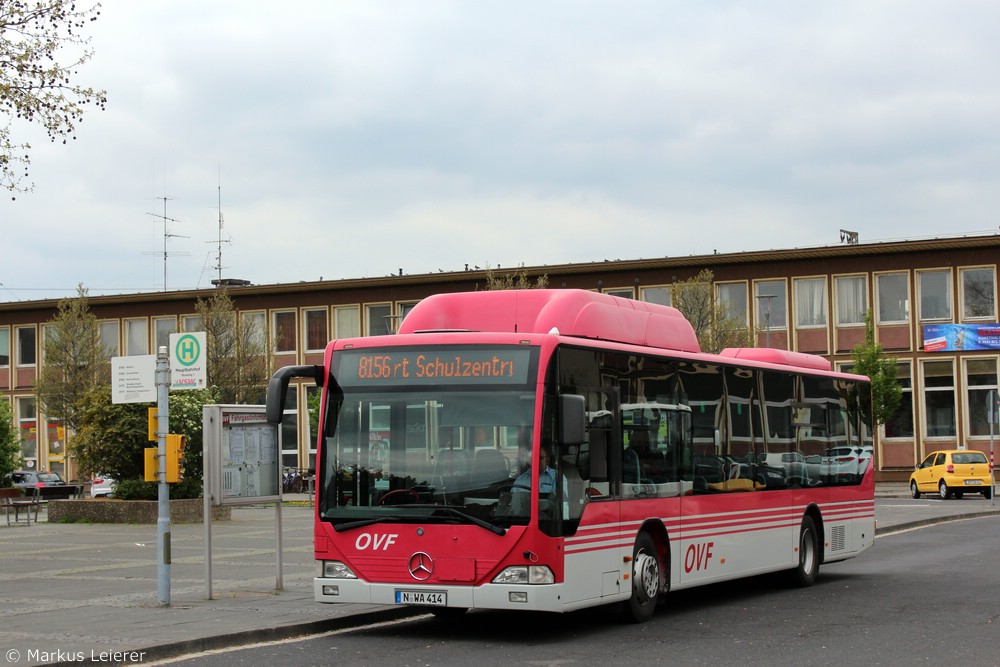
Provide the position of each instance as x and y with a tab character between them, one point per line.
461	366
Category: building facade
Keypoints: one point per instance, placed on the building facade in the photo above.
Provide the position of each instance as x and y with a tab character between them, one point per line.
934	305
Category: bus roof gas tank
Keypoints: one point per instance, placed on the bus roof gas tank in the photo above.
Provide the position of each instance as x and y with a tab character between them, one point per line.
568	312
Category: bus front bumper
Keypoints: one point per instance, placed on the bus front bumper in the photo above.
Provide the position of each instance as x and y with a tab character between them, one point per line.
543	597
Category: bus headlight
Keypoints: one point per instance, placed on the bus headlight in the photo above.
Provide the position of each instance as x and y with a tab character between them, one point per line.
526	574
334	569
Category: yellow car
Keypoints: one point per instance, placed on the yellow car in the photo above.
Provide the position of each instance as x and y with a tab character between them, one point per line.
952	472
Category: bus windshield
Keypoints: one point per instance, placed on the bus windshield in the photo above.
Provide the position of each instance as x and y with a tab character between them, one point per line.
397	452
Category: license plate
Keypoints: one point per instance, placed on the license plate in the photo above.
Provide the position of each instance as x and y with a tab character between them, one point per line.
429	598
973	482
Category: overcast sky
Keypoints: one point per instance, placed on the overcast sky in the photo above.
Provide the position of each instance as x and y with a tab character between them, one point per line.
355	139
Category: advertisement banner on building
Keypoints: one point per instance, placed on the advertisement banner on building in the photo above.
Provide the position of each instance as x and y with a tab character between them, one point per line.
959	337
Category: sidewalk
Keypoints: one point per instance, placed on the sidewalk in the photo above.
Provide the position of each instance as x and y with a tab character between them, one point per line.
72	590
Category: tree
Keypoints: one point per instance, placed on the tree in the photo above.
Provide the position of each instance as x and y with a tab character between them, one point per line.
10	443
236	355
715	327
34	86
112	438
518	279
75	360
878	402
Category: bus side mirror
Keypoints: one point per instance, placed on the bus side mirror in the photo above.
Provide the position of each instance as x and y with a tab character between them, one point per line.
277	388
572	419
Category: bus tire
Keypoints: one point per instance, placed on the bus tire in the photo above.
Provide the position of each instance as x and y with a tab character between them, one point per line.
646	576
805	572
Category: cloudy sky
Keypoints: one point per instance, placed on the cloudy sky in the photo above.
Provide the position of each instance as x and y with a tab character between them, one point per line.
355	139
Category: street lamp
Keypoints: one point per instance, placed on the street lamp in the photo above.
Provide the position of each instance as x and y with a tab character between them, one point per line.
767	317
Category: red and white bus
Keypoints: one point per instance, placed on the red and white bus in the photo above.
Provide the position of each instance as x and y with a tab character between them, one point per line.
666	467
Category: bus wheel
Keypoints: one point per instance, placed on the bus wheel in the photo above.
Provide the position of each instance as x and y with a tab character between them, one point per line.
809	554
645	579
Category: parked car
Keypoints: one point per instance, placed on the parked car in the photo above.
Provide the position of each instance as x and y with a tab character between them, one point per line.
102	486
952	472
30	478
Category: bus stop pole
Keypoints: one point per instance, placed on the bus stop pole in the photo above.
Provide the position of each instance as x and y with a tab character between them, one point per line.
992	419
163	489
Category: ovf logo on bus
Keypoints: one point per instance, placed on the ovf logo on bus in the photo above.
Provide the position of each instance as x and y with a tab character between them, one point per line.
188	367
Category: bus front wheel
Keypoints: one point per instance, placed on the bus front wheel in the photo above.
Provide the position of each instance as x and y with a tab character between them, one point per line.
805	572
646	575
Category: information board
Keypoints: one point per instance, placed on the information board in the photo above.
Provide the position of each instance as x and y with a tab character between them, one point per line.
241	455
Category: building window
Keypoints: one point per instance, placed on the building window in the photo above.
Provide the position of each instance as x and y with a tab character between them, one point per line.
27	417
162	328
253	332
49	339
26	352
283	333
136	337
939	399
978	294
934	291
852	300
981	380
733	297
893	294
347	321
660	295
771	303
314	322
109	337
377	319
810	302
312	405
901	423
623	292
290	429
404	309
4	347
192	323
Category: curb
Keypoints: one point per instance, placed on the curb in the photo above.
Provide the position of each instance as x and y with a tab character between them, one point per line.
920	523
246	637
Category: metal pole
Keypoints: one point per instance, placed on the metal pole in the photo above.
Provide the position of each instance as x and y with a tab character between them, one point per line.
163	489
279	581
208	469
767	317
992	420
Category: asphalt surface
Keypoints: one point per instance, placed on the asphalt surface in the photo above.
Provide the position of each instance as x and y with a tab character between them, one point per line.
72	593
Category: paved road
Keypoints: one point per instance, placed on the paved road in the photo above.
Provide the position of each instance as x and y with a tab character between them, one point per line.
72	588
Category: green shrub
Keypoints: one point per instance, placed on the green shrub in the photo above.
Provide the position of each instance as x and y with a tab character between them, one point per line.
137	489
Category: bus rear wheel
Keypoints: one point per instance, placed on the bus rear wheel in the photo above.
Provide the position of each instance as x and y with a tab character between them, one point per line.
646	575
805	572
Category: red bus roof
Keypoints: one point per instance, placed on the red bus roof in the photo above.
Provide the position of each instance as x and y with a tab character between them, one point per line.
568	312
783	357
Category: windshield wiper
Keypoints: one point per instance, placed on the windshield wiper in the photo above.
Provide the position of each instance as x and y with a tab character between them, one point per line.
492	527
351	525
361	523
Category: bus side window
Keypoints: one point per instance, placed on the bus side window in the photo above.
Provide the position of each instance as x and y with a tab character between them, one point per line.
599	462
